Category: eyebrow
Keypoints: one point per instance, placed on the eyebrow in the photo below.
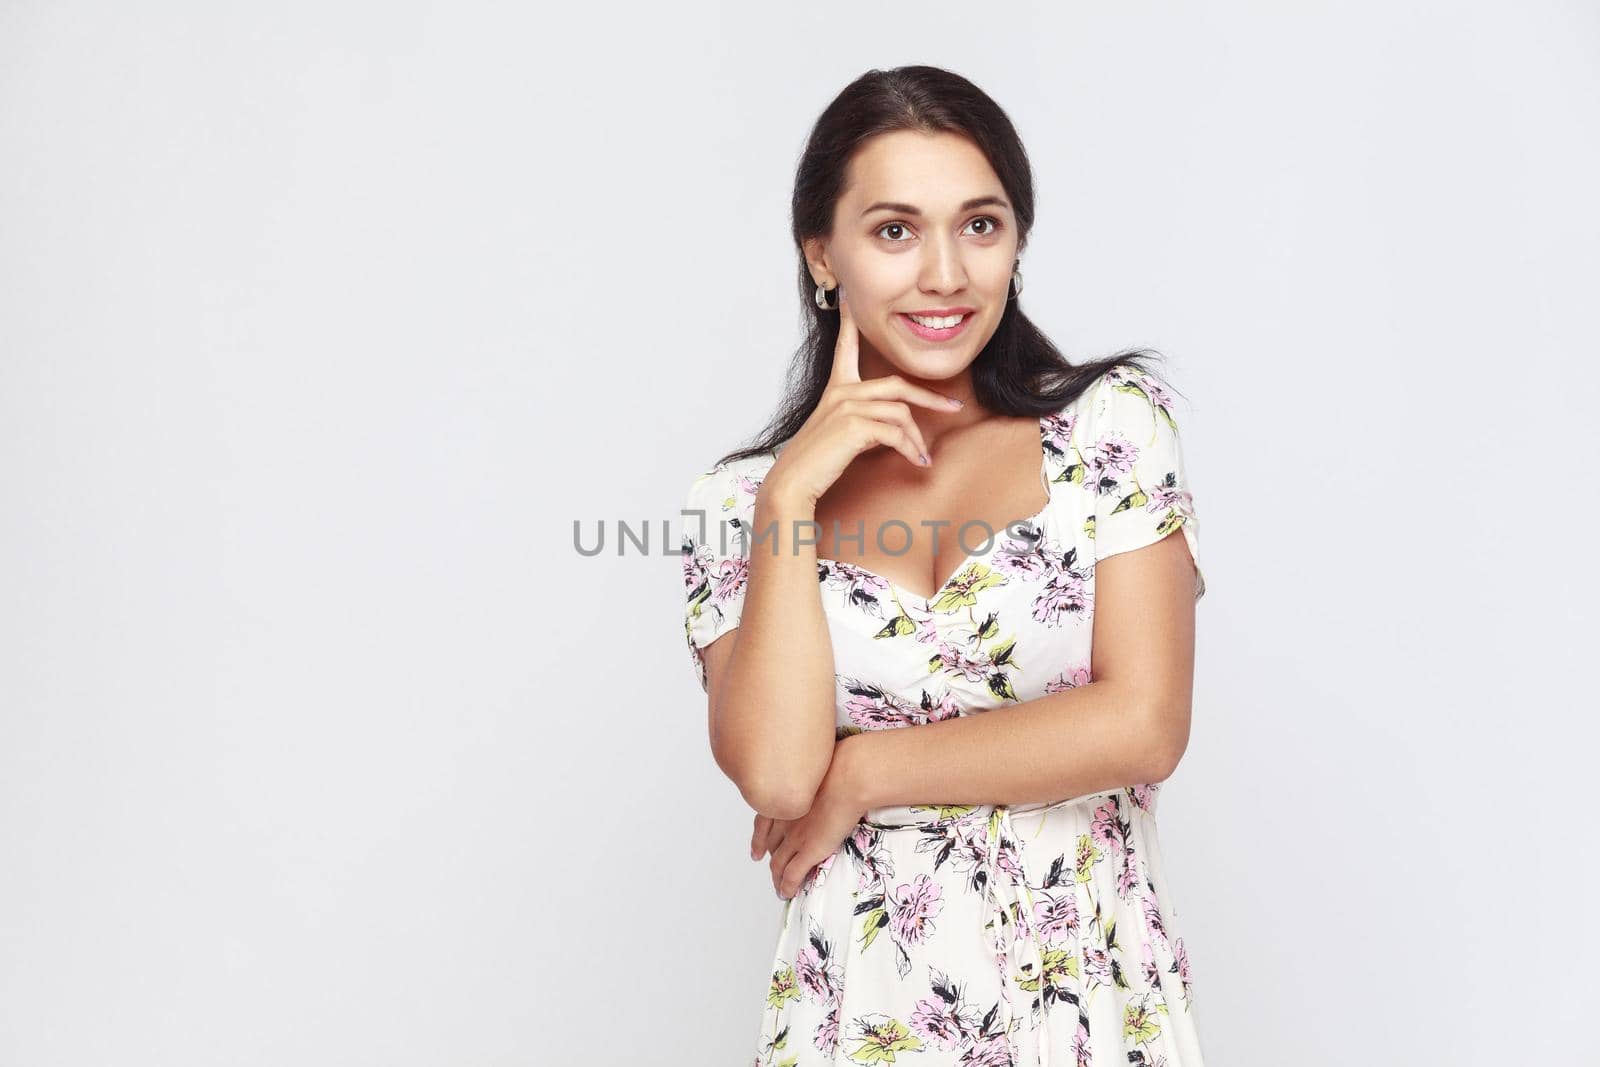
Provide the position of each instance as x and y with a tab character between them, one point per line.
911	209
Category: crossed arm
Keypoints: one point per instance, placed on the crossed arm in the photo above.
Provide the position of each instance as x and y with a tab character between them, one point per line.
1130	725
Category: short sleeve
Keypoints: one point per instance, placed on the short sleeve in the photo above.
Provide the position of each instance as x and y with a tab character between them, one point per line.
1135	468
716	563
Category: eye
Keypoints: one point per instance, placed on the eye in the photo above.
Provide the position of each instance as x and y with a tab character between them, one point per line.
994	226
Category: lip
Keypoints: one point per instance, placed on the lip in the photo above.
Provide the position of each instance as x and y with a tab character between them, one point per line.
936	312
925	334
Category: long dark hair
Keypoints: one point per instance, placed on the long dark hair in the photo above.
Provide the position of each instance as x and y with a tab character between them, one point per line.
1020	371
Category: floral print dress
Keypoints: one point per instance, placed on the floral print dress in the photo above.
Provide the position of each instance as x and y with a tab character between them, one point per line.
989	935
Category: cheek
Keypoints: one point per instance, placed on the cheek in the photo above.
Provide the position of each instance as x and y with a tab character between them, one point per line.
998	279
877	331
876	293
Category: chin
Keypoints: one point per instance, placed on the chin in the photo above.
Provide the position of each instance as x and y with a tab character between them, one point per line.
933	366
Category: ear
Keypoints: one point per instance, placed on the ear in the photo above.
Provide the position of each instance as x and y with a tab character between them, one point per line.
816	253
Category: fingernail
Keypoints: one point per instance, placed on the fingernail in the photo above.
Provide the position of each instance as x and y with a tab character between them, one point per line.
954	402
925	459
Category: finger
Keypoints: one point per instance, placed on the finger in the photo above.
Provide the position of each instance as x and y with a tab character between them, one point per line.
891	411
772	837
847	350
794	873
781	857
776	830
758	837
894	387
871	432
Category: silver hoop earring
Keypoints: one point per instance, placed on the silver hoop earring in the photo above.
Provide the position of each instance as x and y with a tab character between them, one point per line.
1016	283
822	298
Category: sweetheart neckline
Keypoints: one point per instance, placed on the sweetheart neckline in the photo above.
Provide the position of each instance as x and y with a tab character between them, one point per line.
1036	521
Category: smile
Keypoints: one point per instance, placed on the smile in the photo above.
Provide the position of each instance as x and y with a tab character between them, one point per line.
935	328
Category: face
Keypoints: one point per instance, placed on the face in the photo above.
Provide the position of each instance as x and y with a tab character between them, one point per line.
923	226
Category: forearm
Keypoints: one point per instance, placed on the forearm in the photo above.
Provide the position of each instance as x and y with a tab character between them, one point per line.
1079	741
774	725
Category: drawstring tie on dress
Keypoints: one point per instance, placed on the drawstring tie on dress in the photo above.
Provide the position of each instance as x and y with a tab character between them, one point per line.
1015	906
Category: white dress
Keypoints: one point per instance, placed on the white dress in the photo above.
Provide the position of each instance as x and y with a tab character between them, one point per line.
986	934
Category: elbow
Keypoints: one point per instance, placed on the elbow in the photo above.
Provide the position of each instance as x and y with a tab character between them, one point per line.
1166	743
776	792
776	803
778	777
1160	765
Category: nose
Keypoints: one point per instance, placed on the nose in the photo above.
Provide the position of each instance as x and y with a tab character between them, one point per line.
942	269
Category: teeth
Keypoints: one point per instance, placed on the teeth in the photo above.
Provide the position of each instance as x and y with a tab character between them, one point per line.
936	324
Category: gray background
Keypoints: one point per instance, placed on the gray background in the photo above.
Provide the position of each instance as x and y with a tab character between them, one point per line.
321	325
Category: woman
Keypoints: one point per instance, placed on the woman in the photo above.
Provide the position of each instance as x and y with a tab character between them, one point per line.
985	888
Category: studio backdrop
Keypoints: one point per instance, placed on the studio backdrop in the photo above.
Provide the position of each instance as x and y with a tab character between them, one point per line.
336	339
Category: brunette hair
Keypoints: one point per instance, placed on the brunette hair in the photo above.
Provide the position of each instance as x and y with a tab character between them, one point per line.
1020	371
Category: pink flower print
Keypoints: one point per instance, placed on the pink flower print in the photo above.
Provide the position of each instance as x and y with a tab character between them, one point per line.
1157	393
937	709
1057	434
1006	858
728	578
1020	558
1064	596
1112	457
745	487
990	1050
1097	964
1055	918
1009	863
1167	494
973	668
969	847
876	862
1128	871
1180	963
817	974
913	907
1081	1048
1105	827
871	708
926	629
861	588
826	1035
1149	967
1153	922
1069	679
940	1022
694	571
967	857
1145	382
1143	796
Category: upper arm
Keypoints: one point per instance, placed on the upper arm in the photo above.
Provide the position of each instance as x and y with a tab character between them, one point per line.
1146	582
1144	636
714	662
